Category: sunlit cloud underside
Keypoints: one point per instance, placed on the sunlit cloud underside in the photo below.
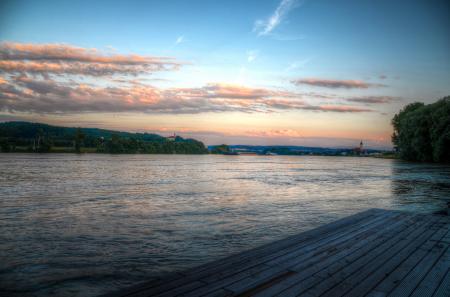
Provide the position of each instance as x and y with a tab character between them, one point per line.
287	72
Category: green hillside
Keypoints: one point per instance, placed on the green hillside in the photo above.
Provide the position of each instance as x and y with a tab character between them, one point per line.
38	137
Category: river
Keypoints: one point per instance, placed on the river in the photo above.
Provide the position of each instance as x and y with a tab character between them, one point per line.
84	225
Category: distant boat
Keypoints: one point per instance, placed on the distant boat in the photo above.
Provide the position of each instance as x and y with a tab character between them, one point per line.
271	154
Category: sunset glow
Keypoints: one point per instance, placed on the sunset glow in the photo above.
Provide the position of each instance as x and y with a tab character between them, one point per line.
272	72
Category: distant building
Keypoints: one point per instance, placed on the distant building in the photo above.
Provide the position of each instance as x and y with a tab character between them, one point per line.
359	150
172	138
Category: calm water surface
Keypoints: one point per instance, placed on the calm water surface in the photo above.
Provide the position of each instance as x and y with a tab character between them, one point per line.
83	225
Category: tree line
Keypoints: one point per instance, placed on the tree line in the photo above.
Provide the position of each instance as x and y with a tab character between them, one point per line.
422	132
42	138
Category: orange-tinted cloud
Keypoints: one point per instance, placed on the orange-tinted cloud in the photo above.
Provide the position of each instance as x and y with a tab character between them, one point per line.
60	88
67	59
274	133
30	94
335	83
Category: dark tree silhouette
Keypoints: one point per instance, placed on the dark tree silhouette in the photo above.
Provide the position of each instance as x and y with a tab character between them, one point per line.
422	132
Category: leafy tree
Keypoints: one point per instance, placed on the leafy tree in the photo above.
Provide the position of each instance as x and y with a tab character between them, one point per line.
422	132
221	149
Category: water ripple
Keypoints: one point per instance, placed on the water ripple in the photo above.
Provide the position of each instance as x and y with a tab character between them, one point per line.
83	225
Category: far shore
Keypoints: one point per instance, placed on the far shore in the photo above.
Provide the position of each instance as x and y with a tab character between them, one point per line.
89	150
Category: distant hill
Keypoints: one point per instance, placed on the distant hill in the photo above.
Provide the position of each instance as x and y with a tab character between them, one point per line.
38	137
29	130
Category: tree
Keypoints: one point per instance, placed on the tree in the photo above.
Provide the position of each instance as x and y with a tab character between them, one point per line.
78	140
114	146
4	146
42	142
221	149
36	137
422	132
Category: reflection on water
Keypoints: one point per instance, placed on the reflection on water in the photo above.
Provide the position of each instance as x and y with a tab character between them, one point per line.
84	225
420	187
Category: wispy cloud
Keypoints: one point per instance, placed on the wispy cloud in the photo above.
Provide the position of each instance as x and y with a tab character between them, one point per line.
265	27
373	99
297	64
287	37
179	40
274	133
252	55
337	108
335	83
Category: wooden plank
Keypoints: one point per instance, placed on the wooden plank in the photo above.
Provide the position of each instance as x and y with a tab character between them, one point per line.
396	254
195	273
145	285
295	239
386	278
308	268
269	284
229	276
280	250
374	253
257	279
384	234
431	282
444	287
341	270
237	277
315	275
332	241
246	275
321	241
415	276
212	287
173	291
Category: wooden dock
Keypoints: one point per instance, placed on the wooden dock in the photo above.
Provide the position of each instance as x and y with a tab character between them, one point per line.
374	253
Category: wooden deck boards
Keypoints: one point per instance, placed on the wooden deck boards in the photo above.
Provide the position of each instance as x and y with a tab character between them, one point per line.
374	253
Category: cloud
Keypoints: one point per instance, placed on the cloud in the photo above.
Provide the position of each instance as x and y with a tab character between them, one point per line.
373	99
265	27
50	79
337	108
62	59
287	37
48	96
274	133
297	64
334	84
179	40
252	55
229	91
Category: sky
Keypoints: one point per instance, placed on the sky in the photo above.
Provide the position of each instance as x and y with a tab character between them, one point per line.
286	72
